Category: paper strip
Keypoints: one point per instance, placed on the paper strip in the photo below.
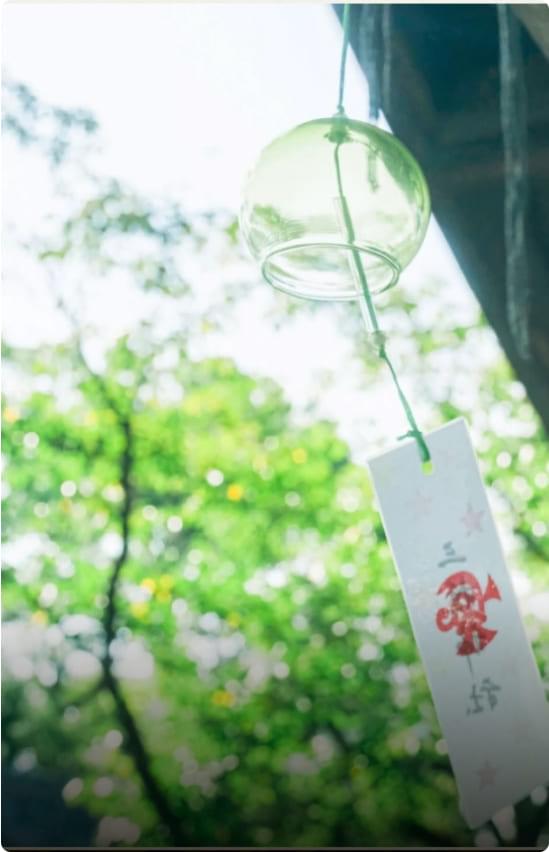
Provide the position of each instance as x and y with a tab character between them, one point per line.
483	677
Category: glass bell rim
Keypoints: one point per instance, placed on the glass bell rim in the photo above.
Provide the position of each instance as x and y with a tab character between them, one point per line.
329	296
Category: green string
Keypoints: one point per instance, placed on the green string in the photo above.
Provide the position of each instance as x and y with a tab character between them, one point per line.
343	63
339	136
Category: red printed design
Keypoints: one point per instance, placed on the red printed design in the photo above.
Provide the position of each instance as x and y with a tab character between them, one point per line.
465	612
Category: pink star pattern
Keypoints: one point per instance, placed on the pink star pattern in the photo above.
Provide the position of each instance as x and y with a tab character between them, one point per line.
422	600
472	520
487	775
420	504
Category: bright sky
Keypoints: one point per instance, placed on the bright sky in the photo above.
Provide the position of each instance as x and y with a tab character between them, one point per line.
186	96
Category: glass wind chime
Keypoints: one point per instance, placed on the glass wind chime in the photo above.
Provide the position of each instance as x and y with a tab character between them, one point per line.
335	210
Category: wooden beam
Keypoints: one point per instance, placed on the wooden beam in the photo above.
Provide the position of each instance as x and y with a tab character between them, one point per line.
460	148
536	21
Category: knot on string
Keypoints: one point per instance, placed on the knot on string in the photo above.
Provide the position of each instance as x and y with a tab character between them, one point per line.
377	338
417	435
414	431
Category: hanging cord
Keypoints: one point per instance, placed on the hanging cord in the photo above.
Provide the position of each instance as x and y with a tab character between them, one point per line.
514	125
364	293
346	15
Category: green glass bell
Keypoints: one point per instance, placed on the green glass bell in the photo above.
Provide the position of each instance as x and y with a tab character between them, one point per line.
327	193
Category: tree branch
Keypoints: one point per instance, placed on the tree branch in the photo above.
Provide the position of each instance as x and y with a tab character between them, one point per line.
134	744
124	517
97	379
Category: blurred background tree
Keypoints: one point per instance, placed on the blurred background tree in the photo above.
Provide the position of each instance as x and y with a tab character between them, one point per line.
204	638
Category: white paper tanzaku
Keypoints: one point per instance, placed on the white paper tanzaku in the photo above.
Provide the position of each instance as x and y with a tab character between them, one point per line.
483	677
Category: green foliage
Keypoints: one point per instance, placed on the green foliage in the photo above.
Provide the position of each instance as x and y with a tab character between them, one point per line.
267	601
262	685
52	129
